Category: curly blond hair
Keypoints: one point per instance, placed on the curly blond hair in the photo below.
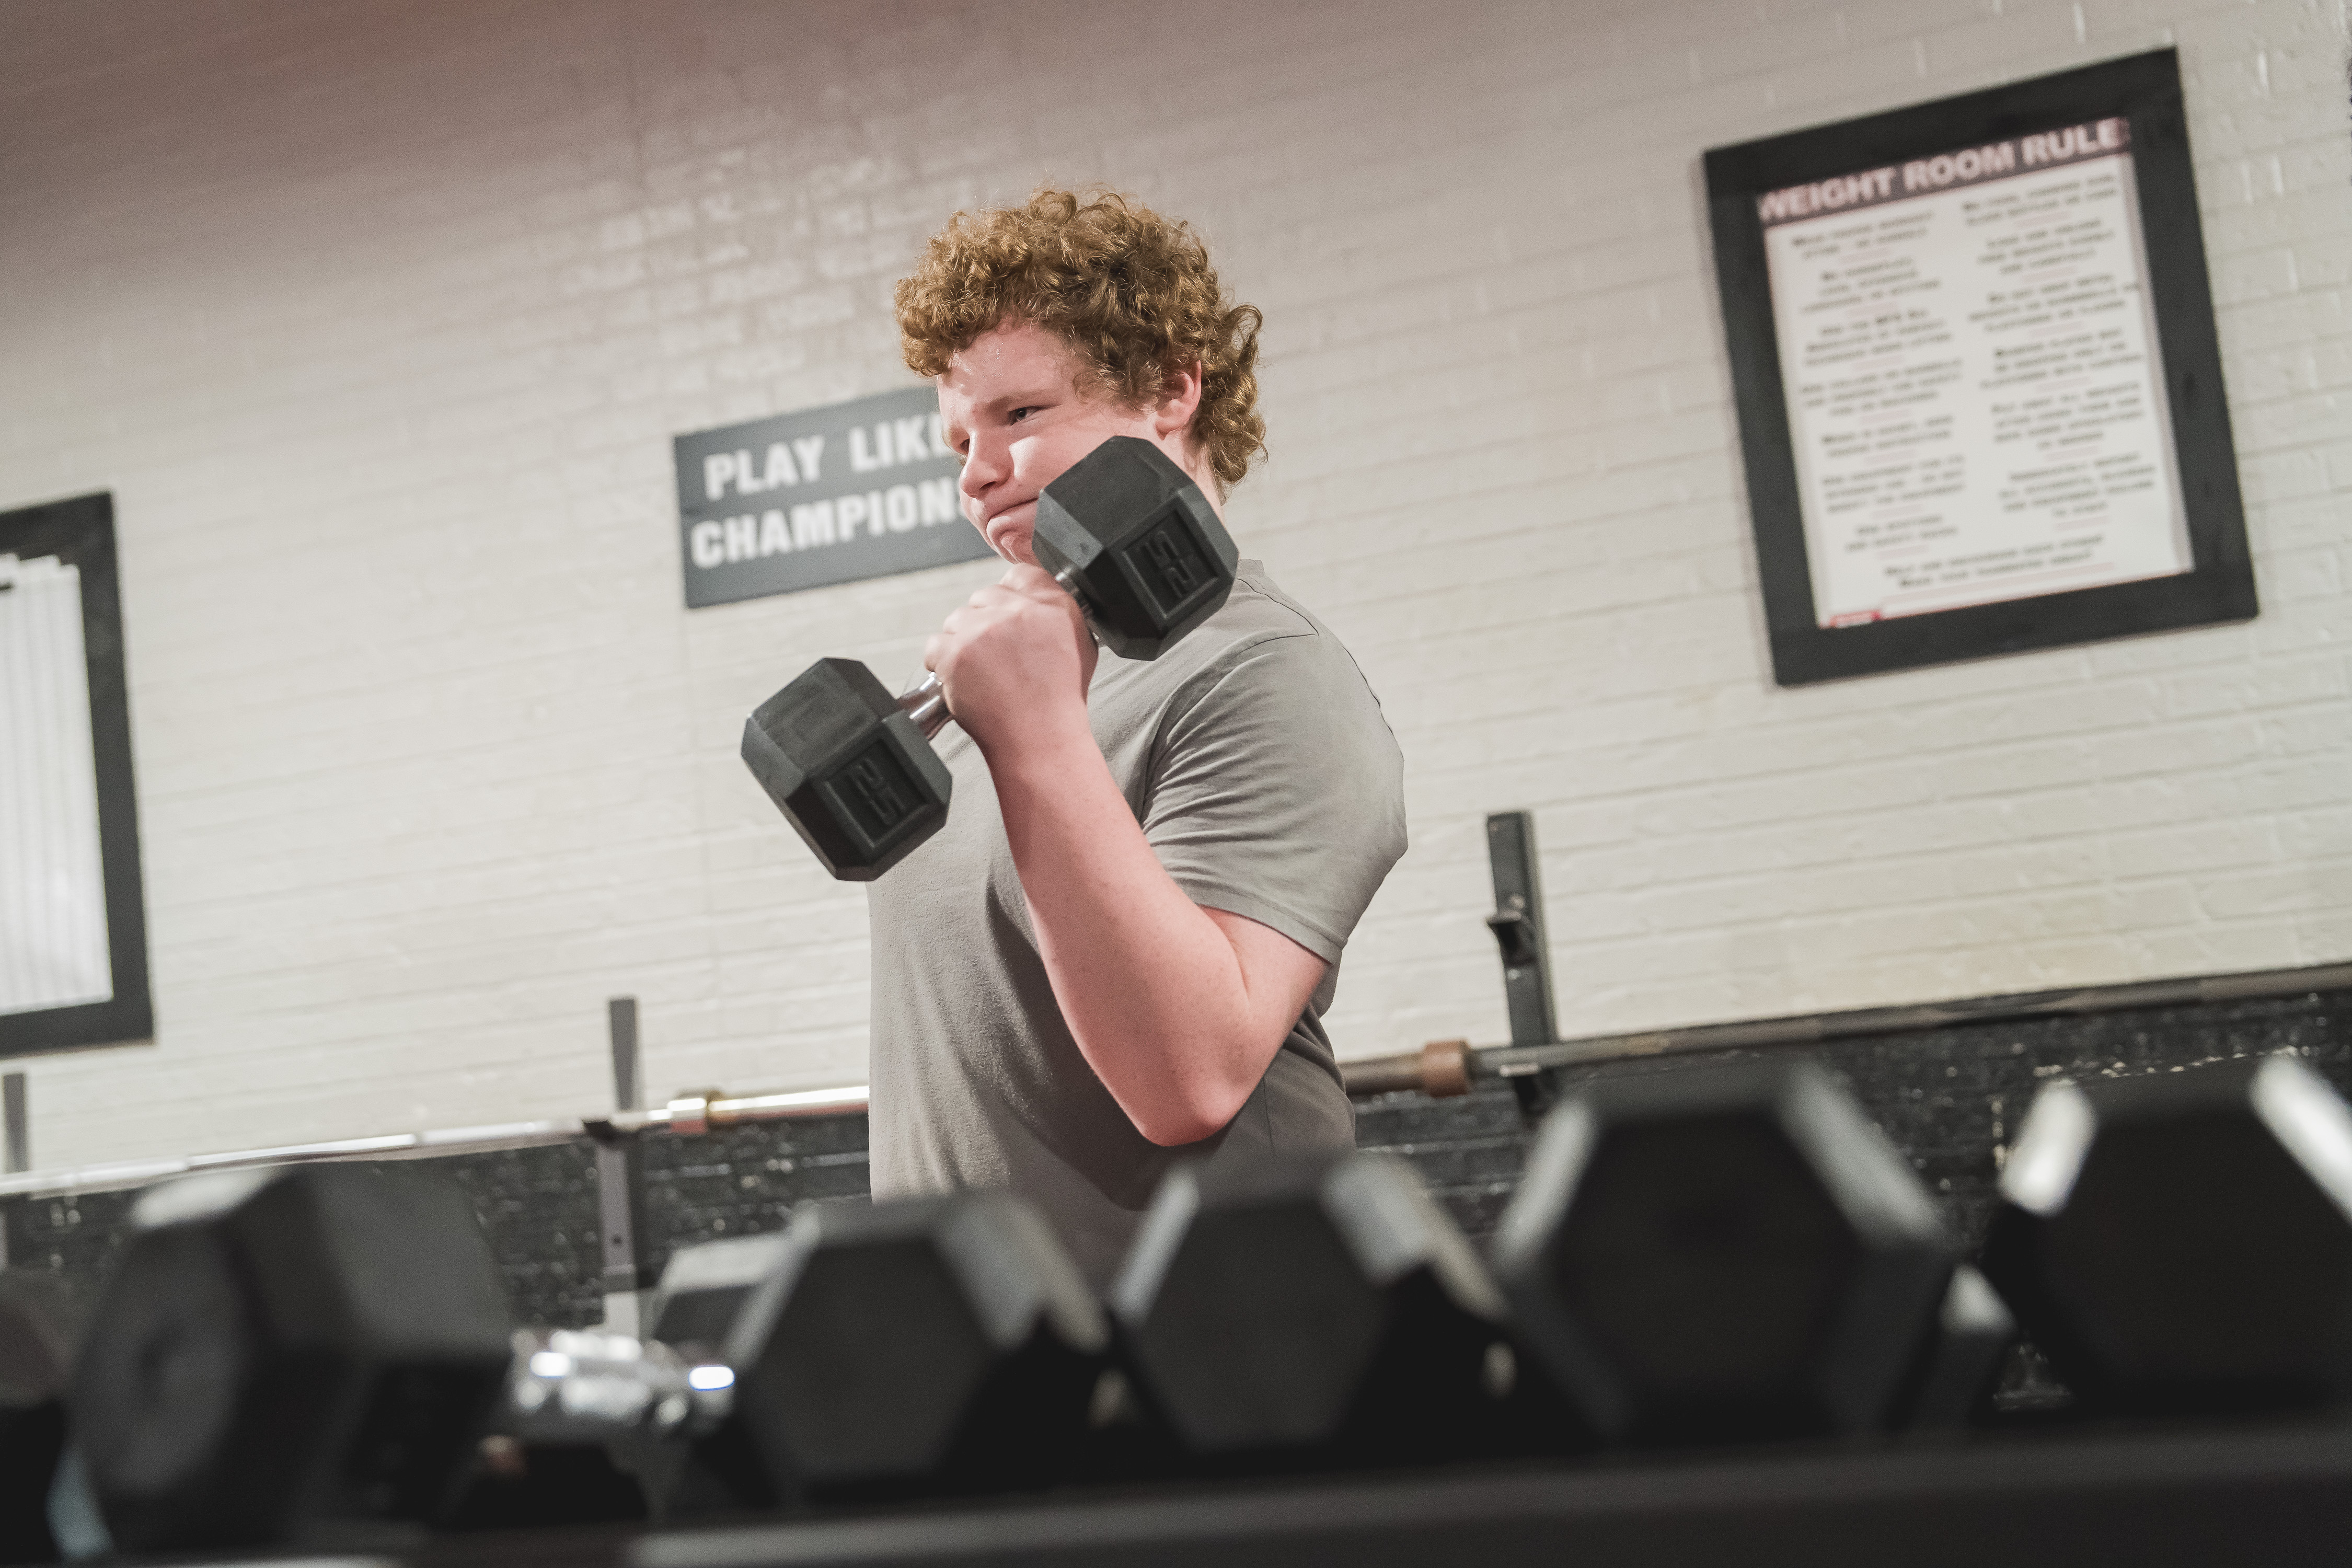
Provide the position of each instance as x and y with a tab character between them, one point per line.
1131	293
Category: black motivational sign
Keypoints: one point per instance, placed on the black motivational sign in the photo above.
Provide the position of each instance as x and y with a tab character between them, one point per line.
827	495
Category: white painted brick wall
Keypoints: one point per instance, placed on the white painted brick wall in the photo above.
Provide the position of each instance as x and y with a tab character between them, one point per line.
378	316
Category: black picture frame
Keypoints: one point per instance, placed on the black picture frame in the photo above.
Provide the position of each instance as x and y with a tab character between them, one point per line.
2143	89
80	531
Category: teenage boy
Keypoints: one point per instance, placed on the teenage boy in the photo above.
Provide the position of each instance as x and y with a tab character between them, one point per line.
1119	950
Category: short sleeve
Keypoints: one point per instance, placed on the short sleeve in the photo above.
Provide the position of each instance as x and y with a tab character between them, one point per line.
1277	791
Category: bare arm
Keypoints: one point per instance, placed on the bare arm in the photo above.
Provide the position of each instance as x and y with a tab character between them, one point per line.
1179	1009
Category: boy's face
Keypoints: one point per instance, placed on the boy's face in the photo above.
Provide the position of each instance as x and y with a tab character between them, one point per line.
1010	405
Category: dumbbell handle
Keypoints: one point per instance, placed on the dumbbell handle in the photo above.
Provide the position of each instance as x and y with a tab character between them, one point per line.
586	1384
926	701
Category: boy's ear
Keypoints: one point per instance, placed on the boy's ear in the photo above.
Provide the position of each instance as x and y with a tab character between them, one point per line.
1180	397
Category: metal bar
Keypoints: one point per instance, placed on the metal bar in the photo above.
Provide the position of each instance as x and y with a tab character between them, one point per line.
1514	1061
393	1146
497	1135
423	1145
13	1112
621	1018
1439	1069
620	1179
19	1150
695	1112
775	1107
1517	923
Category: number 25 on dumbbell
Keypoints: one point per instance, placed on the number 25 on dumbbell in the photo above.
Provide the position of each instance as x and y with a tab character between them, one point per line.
1134	540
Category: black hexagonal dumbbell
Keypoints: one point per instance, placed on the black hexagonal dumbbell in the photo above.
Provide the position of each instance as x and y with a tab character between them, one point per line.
935	1345
691	1316
255	1377
931	1344
2182	1241
1125	530
599	1425
1325	1308
285	1355
1723	1252
1951	1384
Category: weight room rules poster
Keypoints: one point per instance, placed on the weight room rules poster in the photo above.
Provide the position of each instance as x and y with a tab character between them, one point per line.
827	495
1976	402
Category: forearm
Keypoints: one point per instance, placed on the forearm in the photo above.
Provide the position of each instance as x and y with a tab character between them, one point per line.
1157	995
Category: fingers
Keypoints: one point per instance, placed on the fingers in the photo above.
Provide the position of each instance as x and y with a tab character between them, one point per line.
1033	582
971	618
1021	592
1022	586
984	610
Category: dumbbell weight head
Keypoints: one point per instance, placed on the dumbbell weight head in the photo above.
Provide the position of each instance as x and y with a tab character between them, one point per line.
288	1354
1951	1385
1720	1252
928	1344
1142	547
1323	1306
2182	1241
848	769
703	1290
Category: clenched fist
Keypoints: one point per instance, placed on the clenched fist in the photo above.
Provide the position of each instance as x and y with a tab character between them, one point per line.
1015	662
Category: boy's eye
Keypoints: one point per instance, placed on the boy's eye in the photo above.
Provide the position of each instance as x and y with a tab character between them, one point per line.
1018	414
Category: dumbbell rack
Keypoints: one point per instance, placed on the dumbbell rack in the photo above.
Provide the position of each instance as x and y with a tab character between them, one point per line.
2270	1493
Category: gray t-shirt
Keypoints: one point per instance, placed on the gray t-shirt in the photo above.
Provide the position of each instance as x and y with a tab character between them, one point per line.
1265	779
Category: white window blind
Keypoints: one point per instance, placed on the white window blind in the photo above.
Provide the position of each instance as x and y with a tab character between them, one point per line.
53	937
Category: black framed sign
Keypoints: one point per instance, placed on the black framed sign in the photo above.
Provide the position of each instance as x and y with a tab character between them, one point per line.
73	923
1979	387
826	495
